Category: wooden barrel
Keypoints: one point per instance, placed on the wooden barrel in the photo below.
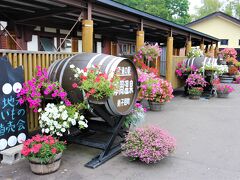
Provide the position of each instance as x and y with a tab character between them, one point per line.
124	98
200	61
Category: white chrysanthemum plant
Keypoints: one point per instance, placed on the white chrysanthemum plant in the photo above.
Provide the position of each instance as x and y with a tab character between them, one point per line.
217	69
56	119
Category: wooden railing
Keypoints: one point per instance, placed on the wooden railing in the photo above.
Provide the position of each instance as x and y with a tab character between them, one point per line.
30	60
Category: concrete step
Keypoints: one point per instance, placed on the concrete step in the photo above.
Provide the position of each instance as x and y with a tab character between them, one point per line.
12	155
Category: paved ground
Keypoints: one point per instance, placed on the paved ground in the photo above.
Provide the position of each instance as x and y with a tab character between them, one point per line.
208	147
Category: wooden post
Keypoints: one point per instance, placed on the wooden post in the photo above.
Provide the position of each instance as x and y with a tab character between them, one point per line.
189	46
140	39
202	45
87	35
87	30
169	58
216	51
212	50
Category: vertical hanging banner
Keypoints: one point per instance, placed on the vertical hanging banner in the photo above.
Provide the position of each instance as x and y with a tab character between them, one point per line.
13	120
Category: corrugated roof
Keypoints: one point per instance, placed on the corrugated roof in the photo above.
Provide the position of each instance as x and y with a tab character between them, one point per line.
153	18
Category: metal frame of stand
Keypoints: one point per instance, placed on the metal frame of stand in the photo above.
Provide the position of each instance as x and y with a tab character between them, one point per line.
112	126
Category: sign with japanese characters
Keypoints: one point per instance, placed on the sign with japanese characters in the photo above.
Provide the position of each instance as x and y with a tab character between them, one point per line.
13	121
124	96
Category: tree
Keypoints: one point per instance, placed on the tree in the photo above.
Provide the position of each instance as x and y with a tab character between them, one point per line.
172	10
233	8
229	8
208	7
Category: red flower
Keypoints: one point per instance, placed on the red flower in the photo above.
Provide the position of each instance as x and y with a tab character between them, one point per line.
97	79
92	91
35	149
87	95
25	151
105	76
85	69
74	85
83	78
54	150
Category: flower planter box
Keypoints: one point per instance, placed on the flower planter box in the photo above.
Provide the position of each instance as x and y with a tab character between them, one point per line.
39	168
155	106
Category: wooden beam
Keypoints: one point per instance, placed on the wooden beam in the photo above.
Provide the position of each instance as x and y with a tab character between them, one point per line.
115	14
45	14
89	11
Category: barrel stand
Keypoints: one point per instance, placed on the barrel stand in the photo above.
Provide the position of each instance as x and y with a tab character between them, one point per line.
112	125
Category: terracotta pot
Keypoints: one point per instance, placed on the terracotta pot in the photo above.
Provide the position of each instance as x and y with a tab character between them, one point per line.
39	168
155	106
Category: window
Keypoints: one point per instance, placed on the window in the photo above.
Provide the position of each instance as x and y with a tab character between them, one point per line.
224	41
46	44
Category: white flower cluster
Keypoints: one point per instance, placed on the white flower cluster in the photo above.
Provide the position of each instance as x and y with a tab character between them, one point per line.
195	53
77	71
57	119
222	69
219	69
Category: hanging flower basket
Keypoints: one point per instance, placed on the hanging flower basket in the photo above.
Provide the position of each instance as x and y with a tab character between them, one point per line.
52	166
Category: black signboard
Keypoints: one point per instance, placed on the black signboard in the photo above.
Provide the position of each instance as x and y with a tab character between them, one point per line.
13	121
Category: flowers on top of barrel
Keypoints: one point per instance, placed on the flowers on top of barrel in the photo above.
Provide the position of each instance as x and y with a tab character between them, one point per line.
94	82
148	144
42	147
34	90
156	90
196	80
214	68
56	119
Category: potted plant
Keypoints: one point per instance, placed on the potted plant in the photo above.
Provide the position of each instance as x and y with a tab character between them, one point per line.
157	91
223	90
195	80
195	92
44	153
136	116
97	85
148	144
57	119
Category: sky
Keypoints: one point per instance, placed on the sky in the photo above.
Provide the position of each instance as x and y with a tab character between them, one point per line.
193	3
